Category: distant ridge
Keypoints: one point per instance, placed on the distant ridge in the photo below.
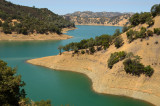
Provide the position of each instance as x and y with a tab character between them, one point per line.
99	18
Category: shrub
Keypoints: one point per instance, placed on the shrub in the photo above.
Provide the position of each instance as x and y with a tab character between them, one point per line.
116	33
82	51
148	70
155	10
92	50
130	35
134	67
134	20
116	57
150	21
157	31
118	42
149	33
156	42
143	17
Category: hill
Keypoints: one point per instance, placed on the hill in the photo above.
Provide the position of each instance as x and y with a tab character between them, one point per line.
28	20
125	64
99	18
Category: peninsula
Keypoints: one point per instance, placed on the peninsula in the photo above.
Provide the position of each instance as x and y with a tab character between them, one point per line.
137	78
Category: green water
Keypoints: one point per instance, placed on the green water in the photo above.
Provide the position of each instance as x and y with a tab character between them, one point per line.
59	86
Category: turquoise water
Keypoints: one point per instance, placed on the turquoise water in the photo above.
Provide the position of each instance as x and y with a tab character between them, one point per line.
59	86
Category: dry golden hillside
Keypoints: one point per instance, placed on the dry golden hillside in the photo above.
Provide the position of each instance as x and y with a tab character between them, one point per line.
115	81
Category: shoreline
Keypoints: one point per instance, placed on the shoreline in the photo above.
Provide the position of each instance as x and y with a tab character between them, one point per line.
92	88
112	81
36	37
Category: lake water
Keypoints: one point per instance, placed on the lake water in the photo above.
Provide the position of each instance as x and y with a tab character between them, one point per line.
60	87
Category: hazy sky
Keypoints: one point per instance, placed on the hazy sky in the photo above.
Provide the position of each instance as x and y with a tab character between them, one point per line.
69	6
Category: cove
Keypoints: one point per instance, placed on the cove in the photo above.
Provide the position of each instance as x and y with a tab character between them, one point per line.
60	87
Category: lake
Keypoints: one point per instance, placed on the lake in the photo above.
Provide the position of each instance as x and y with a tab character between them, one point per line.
60	87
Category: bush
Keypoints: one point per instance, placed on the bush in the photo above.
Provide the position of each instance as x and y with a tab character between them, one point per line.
134	67
148	70
83	52
157	31
118	42
92	50
143	17
116	57
150	21
149	33
134	20
155	10
130	35
116	33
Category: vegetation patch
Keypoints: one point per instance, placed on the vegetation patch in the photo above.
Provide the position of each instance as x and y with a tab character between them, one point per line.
134	67
131	63
28	20
157	31
115	58
11	89
92	45
143	33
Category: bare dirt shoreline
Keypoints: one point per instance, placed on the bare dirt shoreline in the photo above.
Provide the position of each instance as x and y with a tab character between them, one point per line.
115	81
31	37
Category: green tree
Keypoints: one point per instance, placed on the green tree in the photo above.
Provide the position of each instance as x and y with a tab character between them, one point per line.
143	17
155	10
92	49
117	32
148	71
150	21
118	42
10	86
134	20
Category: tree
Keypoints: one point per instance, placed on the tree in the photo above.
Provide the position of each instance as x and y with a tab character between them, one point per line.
148	71
10	86
155	10
116	57
117	32
143	17
150	21
134	20
118	42
60	49
92	49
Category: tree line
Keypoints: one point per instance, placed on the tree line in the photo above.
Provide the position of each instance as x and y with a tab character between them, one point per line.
92	45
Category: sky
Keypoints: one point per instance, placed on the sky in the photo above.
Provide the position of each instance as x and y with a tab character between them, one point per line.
62	7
